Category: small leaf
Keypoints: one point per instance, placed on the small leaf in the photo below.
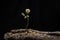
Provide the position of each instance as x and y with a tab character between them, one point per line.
22	14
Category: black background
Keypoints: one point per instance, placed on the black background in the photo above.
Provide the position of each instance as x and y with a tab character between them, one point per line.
44	15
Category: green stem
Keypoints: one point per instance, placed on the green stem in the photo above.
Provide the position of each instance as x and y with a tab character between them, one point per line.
27	23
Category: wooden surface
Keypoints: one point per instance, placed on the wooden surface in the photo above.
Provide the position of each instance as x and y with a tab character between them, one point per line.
30	34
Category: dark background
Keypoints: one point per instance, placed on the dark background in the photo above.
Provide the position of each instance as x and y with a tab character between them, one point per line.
44	15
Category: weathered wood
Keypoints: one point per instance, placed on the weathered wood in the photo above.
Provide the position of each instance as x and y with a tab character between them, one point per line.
30	34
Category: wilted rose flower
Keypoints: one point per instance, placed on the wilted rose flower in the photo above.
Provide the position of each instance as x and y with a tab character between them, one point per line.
27	11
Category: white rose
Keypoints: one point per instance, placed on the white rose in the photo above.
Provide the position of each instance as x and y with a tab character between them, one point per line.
27	11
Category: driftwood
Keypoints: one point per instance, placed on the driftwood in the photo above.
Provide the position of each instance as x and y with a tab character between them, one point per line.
30	34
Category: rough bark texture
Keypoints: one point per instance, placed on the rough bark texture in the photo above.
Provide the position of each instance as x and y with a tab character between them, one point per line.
30	34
